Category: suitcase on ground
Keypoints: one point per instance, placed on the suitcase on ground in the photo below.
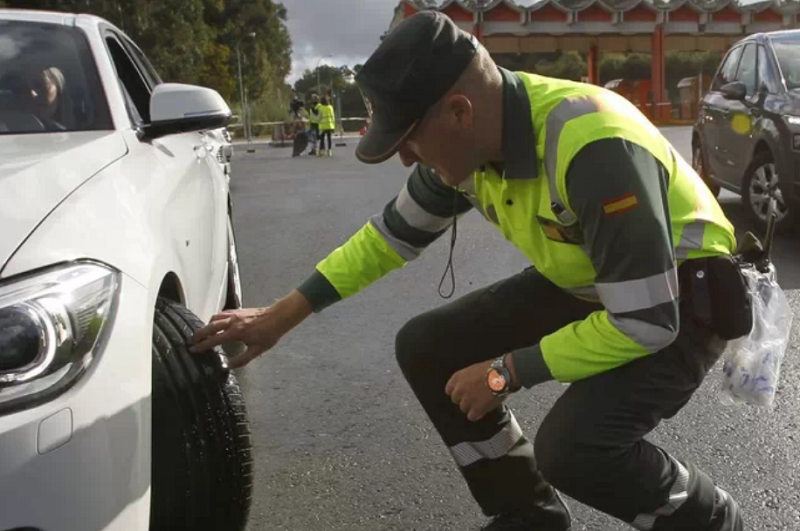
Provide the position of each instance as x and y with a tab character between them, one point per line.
300	143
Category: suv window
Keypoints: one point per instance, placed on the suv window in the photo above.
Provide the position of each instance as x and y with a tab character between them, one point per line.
785	46
132	83
48	81
727	73
766	73
747	69
143	64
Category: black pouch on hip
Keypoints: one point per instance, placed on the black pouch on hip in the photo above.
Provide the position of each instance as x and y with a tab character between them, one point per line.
731	303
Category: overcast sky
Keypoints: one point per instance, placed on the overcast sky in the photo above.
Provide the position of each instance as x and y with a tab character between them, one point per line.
349	30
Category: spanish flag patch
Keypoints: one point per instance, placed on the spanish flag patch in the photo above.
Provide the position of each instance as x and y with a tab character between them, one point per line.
621	204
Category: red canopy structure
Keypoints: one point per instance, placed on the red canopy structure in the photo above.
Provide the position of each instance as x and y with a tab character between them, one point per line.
591	26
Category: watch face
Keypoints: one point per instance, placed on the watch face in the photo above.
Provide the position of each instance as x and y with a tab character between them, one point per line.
497	382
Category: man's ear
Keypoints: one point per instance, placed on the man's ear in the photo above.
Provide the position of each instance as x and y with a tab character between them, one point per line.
460	111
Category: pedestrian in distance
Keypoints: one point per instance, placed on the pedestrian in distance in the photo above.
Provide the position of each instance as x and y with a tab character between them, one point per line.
327	123
299	131
624	299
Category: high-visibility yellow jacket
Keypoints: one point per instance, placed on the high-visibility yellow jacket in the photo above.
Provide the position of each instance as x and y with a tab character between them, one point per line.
590	192
327	118
314	113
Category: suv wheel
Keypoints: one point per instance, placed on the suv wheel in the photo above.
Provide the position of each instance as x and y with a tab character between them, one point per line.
699	165
760	176
202	465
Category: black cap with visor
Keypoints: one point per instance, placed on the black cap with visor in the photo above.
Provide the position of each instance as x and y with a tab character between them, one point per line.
415	65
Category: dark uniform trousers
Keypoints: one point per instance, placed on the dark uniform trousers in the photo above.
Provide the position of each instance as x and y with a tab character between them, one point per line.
591	444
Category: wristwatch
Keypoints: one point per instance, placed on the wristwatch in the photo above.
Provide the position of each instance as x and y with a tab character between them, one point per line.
498	377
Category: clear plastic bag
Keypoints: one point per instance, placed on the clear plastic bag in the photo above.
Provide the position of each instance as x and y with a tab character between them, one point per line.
752	363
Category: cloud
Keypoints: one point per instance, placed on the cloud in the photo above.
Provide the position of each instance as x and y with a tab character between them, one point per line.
348	30
309	62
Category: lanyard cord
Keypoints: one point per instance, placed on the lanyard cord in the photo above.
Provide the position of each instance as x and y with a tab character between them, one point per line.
450	267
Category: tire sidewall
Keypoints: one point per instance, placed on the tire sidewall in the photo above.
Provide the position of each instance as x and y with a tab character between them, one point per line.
201	463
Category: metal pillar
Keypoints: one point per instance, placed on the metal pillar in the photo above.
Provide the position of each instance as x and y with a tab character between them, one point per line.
660	111
594	65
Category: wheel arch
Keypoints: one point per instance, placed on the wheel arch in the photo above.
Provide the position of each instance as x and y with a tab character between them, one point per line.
171	288
695	139
762	146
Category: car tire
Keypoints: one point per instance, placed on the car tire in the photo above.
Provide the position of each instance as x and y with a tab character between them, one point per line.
233	298
699	165
759	174
202	473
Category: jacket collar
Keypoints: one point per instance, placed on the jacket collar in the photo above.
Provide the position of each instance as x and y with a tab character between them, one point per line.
519	142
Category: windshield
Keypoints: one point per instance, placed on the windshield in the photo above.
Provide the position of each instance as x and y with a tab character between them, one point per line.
48	81
787	48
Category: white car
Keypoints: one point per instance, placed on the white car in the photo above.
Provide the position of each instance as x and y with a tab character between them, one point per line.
116	242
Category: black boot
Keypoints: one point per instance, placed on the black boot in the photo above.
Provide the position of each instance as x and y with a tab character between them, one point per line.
551	515
727	515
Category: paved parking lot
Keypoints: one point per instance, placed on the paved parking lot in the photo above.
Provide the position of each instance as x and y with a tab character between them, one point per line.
340	441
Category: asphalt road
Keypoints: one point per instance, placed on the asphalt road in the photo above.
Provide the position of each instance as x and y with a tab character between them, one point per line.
340	441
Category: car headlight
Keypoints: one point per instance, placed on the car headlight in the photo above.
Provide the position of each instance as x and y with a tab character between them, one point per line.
51	327
793	120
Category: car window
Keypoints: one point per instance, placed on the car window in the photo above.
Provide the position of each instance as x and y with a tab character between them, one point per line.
728	71
747	69
134	87
142	63
766	72
787	49
48	81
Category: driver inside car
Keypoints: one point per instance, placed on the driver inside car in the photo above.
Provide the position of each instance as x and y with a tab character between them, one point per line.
34	101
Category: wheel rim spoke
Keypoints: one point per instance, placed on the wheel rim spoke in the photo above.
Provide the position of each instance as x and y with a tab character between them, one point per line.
765	178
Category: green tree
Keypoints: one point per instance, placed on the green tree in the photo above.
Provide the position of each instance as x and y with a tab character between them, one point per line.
569	66
216	72
266	58
624	65
330	79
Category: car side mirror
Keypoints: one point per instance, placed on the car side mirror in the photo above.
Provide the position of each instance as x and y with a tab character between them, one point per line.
176	108
734	91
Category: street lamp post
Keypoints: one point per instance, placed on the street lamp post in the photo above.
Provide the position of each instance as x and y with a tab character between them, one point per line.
245	121
319	85
349	78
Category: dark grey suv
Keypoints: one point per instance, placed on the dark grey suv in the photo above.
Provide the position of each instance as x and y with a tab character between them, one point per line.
747	136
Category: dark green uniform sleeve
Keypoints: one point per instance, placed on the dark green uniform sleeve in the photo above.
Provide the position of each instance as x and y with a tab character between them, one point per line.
618	191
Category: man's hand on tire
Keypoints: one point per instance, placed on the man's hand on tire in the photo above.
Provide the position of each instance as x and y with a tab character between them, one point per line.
259	329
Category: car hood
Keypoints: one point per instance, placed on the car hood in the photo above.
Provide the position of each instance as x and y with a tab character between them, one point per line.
37	172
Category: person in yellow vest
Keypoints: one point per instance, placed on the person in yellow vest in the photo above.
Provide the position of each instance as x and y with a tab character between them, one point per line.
327	123
313	120
624	300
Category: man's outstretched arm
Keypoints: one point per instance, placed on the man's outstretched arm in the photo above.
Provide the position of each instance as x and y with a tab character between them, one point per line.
419	215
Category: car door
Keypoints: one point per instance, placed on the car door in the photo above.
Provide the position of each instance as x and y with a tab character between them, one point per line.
737	140
714	119
188	198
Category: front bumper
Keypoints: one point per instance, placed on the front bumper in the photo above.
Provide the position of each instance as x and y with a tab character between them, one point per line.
82	461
